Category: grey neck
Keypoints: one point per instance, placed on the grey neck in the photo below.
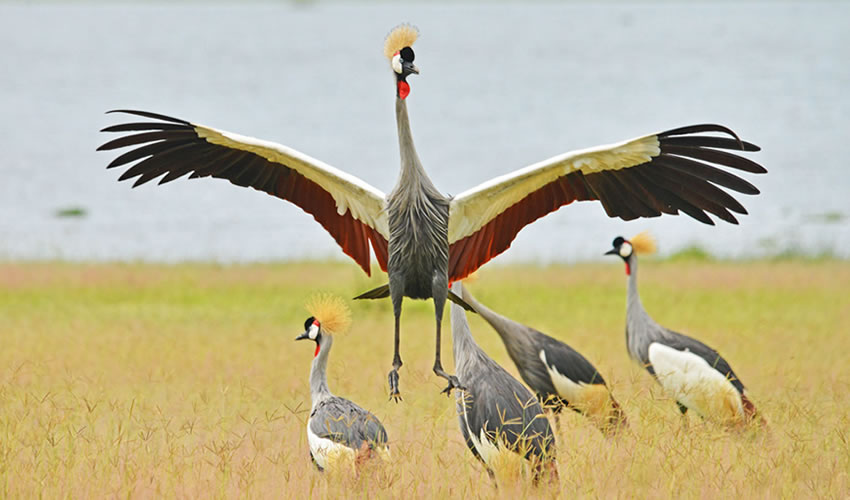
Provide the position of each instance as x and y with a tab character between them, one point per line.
641	329
514	335
412	173
633	304
464	347
319	371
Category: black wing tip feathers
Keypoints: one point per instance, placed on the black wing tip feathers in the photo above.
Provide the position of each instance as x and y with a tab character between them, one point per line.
148	114
703	127
710	127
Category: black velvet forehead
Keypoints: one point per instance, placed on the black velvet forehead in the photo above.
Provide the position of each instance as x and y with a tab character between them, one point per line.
309	323
618	241
407	54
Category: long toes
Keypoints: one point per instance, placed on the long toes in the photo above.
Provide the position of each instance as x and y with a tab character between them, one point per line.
454	382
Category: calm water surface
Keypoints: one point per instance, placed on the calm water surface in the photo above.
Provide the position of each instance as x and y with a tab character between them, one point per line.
501	87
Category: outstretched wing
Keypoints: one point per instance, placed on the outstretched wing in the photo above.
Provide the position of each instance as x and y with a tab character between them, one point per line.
667	172
352	211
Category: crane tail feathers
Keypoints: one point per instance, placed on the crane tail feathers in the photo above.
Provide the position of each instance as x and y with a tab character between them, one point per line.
381	292
459	301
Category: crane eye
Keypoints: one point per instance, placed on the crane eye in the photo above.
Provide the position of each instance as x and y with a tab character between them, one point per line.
396	63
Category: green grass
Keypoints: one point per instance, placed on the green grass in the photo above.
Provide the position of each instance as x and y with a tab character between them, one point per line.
156	380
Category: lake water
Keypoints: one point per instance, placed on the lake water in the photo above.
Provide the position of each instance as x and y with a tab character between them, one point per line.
502	86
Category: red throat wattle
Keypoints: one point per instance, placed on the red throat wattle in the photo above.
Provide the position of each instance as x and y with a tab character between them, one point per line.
317	350
403	89
628	273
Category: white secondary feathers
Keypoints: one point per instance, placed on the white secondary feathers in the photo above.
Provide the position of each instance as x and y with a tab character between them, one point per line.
565	387
366	203
491	453
472	209
689	379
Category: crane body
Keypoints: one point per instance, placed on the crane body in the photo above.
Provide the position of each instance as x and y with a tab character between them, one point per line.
559	375
694	374
423	239
496	413
338	430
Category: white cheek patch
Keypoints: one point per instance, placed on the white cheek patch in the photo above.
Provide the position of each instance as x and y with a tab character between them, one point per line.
396	63
314	330
625	249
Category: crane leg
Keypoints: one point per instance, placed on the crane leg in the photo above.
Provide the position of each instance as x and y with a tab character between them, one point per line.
395	395
440	292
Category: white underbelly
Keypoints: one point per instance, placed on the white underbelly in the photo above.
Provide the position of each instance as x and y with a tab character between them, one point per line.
689	379
327	453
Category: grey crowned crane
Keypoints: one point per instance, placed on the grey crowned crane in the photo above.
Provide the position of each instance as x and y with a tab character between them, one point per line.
422	238
561	377
498	416
338	430
694	374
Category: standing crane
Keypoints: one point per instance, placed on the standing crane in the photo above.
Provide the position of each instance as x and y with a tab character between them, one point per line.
559	375
497	414
337	429
422	238
694	374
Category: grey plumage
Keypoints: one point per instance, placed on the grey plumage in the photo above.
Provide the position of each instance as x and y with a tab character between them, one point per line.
559	375
418	245
343	421
493	407
336	422
644	334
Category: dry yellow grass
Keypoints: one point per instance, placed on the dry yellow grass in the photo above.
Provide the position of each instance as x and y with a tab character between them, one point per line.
137	380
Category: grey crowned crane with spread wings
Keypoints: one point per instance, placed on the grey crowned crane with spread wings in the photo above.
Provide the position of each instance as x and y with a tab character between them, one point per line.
338	429
559	375
422	238
693	373
496	413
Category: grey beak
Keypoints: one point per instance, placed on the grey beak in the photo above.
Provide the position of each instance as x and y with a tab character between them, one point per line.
410	68
305	335
613	251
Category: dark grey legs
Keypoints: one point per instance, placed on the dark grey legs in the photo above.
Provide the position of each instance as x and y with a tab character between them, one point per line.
395	395
440	290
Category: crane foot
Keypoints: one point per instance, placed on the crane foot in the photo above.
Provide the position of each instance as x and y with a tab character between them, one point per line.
454	383
395	395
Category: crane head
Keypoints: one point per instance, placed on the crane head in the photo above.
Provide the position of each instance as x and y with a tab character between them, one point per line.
640	244
397	48
624	249
621	247
312	331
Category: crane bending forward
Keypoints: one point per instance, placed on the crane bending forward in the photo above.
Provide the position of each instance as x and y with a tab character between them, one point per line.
422	238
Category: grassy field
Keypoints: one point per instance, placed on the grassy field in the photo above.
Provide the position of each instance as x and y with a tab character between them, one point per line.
135	380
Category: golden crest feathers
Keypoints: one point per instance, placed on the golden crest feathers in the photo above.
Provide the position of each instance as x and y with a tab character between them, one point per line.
400	37
643	243
332	312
